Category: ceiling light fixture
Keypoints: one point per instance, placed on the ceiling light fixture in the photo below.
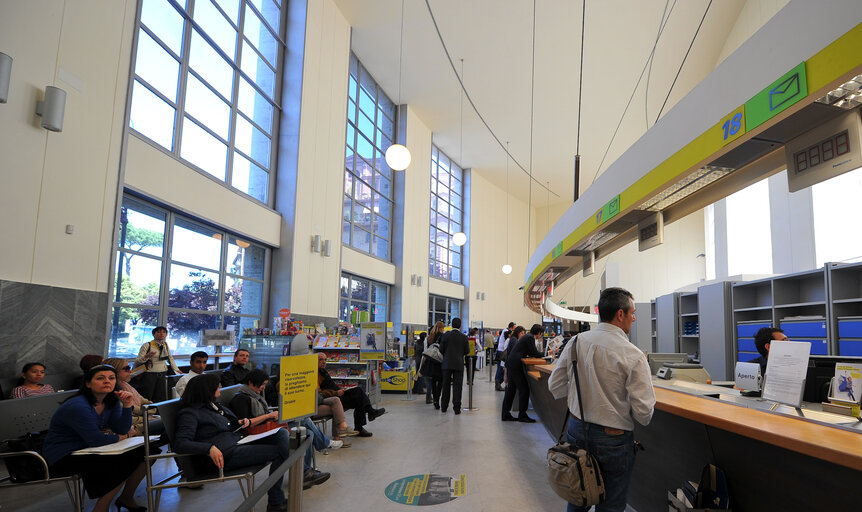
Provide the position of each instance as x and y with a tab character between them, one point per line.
397	155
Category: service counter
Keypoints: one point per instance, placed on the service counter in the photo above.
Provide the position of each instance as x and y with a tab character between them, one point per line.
773	459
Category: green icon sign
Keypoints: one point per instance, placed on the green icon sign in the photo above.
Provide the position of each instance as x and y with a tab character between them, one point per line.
778	97
558	249
610	209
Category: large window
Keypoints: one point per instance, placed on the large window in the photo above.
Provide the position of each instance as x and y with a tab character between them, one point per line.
749	235
442	309
363	300
835	204
367	221
206	85
447	190
176	272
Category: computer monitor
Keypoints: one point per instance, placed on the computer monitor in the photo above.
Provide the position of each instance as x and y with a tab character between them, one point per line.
657	360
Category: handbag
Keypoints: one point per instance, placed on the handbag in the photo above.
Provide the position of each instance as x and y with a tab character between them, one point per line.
26	468
574	473
433	352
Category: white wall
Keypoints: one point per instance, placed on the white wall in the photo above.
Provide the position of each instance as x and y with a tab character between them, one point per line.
504	302
47	179
647	274
320	161
752	16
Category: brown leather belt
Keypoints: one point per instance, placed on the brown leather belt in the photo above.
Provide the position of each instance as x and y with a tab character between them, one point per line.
608	430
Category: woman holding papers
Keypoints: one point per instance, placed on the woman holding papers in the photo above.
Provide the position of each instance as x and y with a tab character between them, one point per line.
89	419
205	427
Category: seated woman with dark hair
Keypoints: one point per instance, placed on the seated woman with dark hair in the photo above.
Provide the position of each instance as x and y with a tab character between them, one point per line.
30	383
84	421
205	427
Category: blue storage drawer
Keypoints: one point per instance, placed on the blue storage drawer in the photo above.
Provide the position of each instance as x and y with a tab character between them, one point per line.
749	330
746	345
807	329
850	347
818	347
746	357
850	328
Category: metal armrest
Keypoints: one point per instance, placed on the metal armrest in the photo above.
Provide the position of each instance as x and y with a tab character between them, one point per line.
41	459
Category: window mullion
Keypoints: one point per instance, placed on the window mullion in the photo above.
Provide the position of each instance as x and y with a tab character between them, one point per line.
181	93
165	292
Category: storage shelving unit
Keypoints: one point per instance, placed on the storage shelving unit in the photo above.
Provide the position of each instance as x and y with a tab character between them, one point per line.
667	323
752	309
653	330
347	370
800	308
689	324
845	285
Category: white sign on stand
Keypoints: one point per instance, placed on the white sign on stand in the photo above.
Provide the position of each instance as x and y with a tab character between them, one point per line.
747	376
785	372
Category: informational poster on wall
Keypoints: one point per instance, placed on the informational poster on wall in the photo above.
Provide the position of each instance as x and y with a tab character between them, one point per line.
298	386
372	341
427	489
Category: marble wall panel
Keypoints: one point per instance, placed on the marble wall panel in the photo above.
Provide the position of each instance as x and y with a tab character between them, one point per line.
49	324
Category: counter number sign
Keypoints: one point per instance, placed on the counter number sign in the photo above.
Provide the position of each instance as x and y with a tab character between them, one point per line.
733	125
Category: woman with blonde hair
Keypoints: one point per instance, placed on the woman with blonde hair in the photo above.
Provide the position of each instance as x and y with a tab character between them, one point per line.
124	375
432	368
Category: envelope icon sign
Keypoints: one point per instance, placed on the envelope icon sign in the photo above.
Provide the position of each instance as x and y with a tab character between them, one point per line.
784	92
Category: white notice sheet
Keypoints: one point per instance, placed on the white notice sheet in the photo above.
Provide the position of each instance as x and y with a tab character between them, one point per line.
785	371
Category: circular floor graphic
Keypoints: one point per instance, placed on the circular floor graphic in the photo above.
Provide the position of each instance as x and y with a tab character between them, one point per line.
427	489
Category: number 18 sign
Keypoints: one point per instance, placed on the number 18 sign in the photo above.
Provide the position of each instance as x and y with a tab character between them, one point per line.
732	126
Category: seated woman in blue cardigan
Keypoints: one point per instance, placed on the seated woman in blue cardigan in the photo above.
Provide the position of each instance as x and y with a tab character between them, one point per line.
205	427
92	418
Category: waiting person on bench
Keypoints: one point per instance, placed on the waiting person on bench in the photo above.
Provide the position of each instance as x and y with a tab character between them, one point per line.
236	372
353	398
30	383
124	375
197	365
205	427
332	405
83	421
249	403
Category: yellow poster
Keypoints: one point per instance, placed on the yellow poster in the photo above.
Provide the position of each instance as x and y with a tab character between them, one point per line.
298	386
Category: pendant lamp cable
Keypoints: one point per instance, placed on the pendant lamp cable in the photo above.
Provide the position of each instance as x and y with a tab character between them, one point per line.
400	52
581	78
507	202
461	105
532	106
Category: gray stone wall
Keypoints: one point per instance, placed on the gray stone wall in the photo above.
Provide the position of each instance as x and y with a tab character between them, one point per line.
52	325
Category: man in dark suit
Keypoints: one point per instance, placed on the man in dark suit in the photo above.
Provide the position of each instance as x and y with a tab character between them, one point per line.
517	379
454	346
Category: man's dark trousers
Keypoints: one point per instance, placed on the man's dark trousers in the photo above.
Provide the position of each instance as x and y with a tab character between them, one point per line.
452	381
356	399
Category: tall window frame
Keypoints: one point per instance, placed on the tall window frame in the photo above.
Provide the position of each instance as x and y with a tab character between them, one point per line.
359	294
368	180
443	309
206	86
190	276
447	217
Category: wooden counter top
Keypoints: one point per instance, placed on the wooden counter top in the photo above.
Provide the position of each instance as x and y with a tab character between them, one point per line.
823	442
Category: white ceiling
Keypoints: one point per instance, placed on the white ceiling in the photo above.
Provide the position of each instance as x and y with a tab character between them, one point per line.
494	37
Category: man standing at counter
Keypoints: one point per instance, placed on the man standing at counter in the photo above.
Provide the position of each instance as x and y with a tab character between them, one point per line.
616	388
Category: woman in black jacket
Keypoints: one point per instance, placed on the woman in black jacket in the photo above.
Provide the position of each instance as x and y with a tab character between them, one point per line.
434	369
205	427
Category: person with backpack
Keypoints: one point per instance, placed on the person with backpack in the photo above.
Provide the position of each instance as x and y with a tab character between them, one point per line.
432	368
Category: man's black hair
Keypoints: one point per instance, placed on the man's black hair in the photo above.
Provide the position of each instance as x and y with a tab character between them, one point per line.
536	329
763	337
511	324
200	354
612	300
456	323
256	377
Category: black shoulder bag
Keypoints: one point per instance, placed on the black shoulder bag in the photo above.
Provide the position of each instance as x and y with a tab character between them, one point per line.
573	472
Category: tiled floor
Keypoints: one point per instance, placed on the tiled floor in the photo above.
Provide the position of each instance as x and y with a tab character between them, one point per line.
504	464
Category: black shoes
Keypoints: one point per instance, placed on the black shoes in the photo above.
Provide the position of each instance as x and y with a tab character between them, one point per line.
509	417
313	477
281	507
131	508
498	387
364	433
457	411
428	401
437	405
376	413
526	419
